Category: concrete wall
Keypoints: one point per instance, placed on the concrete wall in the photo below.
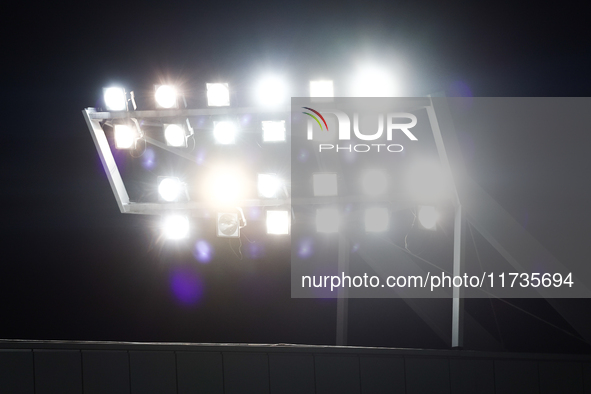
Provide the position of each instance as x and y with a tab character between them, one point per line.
116	368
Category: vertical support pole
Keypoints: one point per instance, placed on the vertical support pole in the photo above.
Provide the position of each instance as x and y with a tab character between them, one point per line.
342	293
457	332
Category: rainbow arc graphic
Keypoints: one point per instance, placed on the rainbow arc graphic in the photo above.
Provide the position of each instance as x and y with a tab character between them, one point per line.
315	118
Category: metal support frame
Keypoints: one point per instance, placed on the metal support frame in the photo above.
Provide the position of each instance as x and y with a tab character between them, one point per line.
457	324
106	156
343	296
453	166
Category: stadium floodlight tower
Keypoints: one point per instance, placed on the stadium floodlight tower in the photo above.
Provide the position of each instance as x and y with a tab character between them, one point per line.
169	130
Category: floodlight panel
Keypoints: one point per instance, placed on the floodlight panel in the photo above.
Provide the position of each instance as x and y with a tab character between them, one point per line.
428	217
125	136
225	186
224	132
170	189
273	130
373	81
268	185
327	220
228	225
166	96
176	227
115	99
218	94
375	182
175	135
325	184
321	89
277	222
271	91
376	219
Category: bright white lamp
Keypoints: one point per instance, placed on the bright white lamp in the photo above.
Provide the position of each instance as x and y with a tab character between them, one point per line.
166	96
273	130
373	81
428	217
225	186
268	185
170	189
218	94
271	91
125	136
176	227
321	89
115	99
224	132
277	222
174	134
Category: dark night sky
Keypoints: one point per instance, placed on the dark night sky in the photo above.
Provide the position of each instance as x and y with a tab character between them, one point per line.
73	267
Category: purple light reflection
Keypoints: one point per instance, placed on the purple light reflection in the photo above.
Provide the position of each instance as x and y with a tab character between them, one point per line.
245	120
149	159
254	213
460	89
305	248
200	157
203	251
303	156
255	250
186	286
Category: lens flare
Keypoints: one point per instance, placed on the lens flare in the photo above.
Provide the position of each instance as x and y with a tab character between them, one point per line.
305	248
186	286
203	251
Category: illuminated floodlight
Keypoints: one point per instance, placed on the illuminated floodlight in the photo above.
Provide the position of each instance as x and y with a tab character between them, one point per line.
175	135
277	222
327	220
170	189
224	132
166	96
268	185
428	217
321	89
176	227
325	184
225	186
375	182
115	99
273	130
228	225
376	220
427	182
218	94
125	136
373	82
271	91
